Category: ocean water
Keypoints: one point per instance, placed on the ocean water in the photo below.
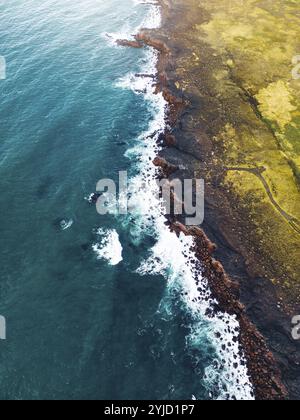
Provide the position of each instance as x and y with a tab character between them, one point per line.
97	307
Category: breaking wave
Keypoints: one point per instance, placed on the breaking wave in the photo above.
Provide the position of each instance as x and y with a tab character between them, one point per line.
109	246
172	257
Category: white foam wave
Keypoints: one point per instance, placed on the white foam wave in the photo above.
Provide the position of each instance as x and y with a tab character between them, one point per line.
152	20
109	248
172	257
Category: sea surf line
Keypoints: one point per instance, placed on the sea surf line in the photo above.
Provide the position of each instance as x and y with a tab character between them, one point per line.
172	258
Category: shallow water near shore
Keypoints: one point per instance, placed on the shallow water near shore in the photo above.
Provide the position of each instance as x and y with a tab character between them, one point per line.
96	307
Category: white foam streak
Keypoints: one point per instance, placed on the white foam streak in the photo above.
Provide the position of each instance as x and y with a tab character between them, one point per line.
109	247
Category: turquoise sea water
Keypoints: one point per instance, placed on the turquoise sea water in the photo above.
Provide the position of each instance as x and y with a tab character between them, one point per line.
89	315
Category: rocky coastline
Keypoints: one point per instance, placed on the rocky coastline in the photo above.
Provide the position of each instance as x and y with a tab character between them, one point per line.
272	356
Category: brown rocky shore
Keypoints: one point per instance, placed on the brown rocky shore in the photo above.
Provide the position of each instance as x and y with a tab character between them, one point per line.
264	315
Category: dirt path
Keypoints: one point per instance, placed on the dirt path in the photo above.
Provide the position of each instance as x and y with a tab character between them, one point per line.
295	224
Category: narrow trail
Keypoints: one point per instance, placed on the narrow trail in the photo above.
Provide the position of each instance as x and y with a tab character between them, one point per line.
294	223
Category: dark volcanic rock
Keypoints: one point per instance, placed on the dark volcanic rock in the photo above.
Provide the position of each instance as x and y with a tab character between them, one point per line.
166	167
263	368
129	43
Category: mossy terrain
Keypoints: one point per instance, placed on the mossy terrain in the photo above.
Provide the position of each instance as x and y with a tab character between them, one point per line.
236	64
